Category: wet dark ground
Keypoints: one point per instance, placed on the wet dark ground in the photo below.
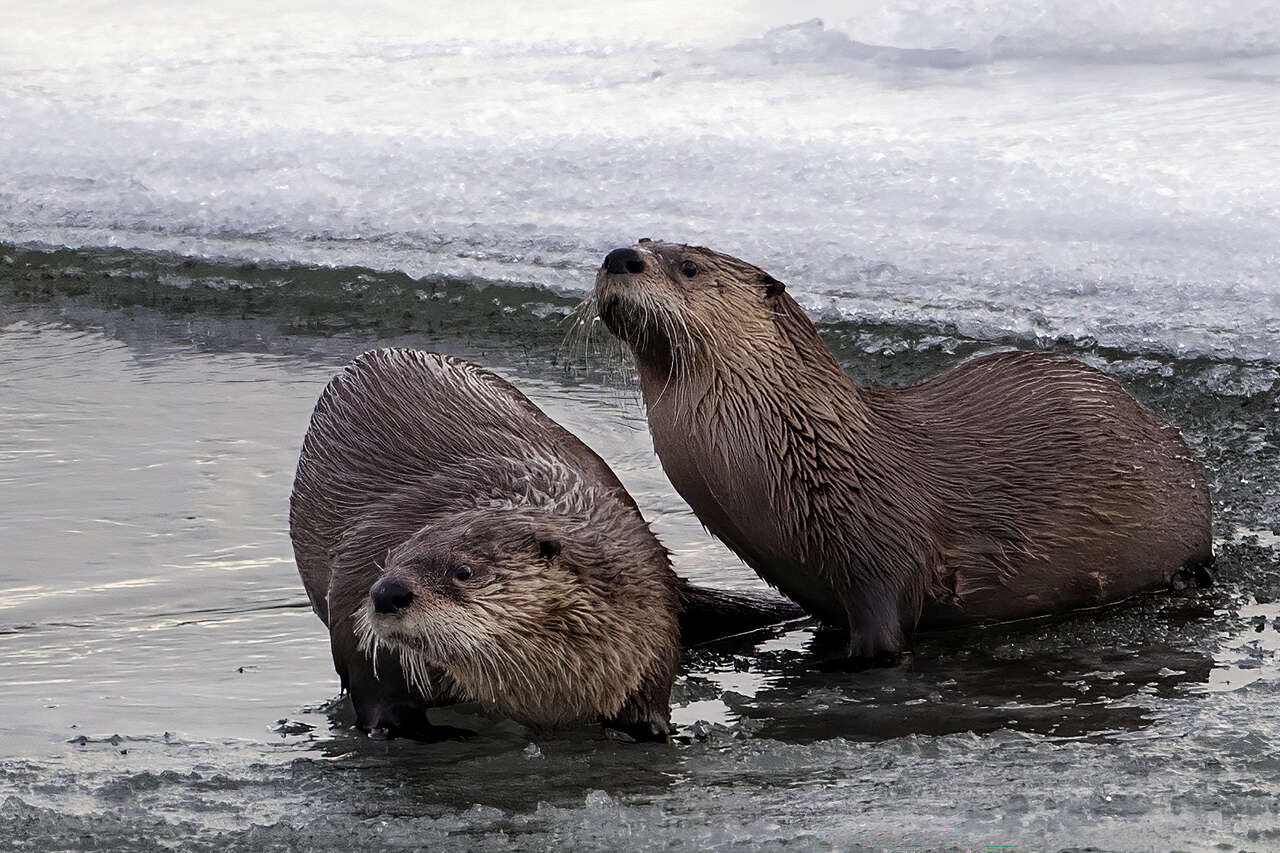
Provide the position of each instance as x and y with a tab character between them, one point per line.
166	685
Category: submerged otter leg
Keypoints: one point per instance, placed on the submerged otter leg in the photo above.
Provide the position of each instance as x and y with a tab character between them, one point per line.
881	621
646	716
640	726
1197	572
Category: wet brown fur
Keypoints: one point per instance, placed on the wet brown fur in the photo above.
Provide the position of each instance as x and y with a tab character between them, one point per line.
412	459
1014	485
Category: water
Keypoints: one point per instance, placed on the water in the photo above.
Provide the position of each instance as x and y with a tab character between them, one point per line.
205	211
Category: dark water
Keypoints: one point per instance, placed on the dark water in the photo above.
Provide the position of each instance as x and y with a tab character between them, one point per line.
165	684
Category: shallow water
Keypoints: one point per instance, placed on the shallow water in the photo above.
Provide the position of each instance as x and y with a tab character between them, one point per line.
166	682
206	209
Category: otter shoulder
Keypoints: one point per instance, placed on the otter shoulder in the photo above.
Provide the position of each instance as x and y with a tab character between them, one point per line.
445	380
1019	381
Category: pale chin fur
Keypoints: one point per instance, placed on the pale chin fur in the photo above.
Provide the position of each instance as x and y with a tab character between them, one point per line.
436	640
366	624
515	675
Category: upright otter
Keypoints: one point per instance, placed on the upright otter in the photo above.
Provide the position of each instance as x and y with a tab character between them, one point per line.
462	546
1014	485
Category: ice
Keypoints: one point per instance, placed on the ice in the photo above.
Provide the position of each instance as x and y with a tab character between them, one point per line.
1096	30
1134	200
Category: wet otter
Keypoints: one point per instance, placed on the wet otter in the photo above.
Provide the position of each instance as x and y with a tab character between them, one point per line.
1014	485
462	546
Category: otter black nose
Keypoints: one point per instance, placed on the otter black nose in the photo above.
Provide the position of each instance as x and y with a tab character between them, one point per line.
621	261
390	595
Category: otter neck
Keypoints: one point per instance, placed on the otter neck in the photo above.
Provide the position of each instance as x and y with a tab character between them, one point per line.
761	439
759	374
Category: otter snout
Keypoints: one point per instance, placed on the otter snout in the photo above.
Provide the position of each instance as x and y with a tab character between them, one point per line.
623	261
390	595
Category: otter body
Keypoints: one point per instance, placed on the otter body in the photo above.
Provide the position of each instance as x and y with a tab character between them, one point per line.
462	546
1015	485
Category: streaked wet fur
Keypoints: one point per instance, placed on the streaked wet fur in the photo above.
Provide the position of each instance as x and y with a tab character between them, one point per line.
1017	484
415	463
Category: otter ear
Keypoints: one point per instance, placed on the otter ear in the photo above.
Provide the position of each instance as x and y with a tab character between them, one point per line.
548	547
772	287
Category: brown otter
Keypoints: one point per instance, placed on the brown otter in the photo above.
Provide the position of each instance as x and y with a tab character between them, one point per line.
462	546
1014	485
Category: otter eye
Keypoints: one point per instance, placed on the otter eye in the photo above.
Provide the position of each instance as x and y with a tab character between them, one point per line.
462	573
548	548
689	269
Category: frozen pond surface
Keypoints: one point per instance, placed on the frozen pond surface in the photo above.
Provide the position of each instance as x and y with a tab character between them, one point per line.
1060	167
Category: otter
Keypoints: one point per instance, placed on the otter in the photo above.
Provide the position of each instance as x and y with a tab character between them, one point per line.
1014	485
460	545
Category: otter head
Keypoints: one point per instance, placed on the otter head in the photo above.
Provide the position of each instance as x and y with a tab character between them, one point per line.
681	307
539	615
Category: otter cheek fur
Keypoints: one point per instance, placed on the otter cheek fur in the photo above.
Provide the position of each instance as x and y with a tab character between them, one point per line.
509	613
1014	485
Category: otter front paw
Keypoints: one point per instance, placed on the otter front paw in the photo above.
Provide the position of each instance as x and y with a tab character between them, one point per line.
385	722
641	732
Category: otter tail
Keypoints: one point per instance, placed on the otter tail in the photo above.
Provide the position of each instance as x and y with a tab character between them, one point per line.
710	614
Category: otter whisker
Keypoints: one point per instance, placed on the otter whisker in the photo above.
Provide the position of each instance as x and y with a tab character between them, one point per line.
589	351
581	319
367	639
415	667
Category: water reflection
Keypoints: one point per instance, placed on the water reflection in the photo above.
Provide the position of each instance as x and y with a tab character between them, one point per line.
792	686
